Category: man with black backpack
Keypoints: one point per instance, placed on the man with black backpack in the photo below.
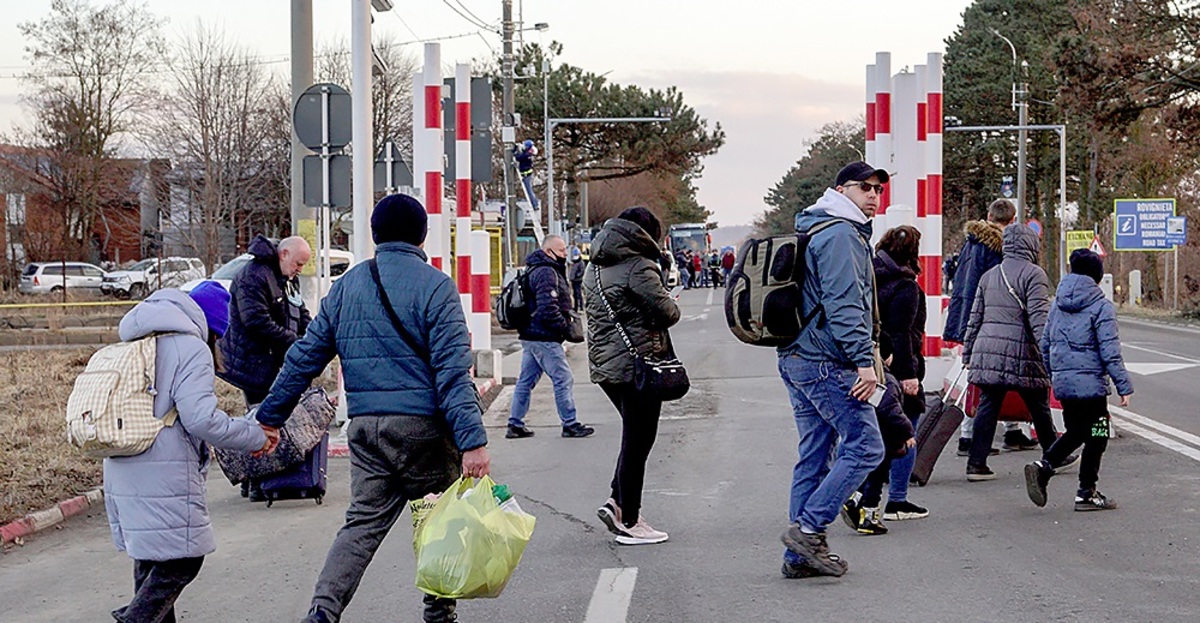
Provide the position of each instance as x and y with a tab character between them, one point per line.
831	370
551	323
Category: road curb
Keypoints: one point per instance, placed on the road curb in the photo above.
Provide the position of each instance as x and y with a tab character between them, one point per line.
339	448
37	521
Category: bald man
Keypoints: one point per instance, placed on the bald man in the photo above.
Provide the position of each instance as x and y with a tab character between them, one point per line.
542	341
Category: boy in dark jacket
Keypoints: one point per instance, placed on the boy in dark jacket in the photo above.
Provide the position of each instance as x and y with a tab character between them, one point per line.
1083	349
861	511
541	341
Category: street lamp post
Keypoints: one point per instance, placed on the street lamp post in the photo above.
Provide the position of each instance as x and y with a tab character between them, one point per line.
1020	102
553	223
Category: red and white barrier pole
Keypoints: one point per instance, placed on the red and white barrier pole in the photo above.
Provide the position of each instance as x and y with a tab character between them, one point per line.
479	321
462	182
870	115
918	157
883	122
931	233
436	243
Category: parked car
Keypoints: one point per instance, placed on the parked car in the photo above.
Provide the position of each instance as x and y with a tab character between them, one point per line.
46	277
152	273
339	263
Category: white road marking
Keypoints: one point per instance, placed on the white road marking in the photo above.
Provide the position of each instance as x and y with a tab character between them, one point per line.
1121	412
1165	442
610	600
1159	352
1147	369
695	317
709	300
1158	325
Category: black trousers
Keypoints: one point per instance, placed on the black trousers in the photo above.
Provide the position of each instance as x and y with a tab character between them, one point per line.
639	428
990	399
1087	425
156	586
577	294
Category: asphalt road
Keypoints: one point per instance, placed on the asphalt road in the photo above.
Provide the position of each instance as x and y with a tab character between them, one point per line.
717	482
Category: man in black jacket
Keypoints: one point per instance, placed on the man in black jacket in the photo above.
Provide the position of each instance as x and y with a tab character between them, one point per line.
542	338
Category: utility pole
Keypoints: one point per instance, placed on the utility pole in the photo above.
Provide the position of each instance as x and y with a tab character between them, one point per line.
508	133
302	78
1022	103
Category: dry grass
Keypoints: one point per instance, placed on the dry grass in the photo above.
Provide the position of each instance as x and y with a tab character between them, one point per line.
37	466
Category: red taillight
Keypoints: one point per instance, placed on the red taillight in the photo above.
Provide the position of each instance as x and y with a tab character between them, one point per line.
36	282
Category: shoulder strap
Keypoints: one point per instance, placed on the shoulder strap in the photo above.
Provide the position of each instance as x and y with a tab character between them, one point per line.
613	315
391	312
1024	311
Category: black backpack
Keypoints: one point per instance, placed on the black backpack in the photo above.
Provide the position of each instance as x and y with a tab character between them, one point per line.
764	295
514	306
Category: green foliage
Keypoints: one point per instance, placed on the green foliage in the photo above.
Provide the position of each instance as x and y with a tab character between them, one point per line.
836	145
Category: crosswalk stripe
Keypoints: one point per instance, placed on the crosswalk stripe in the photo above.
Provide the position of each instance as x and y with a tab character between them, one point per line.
610	600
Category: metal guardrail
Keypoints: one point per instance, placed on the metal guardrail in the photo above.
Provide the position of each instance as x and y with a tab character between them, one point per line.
72	304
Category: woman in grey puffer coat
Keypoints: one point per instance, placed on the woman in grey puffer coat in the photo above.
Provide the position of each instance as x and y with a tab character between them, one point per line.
156	500
1001	347
625	273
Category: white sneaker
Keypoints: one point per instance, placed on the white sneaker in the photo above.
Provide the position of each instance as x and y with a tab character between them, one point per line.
640	533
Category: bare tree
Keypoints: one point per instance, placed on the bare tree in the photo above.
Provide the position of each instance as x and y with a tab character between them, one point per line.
391	91
90	76
219	122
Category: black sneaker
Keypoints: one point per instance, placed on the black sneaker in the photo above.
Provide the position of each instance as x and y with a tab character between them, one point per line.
577	430
518	432
1016	441
1037	474
900	511
871	522
1093	501
979	474
814	549
964	448
803	570
851	513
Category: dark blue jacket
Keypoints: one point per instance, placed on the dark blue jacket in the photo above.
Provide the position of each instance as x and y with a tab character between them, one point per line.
551	318
1081	342
840	278
383	375
982	251
263	321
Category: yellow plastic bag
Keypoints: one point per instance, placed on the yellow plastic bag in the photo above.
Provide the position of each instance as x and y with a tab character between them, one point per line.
467	546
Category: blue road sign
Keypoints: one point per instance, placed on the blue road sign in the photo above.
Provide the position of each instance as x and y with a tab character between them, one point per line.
1141	224
1177	231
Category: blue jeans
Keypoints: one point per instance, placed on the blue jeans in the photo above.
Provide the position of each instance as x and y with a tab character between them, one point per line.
827	473
527	181
551	358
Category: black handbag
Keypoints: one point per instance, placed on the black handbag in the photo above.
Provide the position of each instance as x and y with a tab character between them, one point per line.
658	378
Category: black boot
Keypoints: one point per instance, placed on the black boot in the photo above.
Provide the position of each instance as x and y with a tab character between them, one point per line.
438	610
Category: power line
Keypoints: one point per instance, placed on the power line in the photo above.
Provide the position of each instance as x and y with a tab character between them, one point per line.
474	20
464	7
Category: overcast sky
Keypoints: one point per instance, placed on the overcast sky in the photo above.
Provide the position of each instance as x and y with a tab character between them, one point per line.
770	71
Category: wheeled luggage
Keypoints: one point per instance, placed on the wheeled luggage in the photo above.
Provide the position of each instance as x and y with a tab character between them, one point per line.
304	481
939	424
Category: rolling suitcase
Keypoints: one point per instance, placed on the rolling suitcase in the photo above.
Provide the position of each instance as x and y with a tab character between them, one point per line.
935	428
303	481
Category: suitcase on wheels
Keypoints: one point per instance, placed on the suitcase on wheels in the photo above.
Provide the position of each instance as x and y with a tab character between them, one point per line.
303	481
935	428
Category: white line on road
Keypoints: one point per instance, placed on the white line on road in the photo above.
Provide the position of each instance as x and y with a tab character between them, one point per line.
1160	427
610	601
1165	442
1159	352
708	301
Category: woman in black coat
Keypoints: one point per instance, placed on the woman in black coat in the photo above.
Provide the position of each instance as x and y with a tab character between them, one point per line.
901	339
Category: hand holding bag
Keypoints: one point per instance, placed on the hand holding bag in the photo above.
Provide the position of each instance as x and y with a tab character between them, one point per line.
660	378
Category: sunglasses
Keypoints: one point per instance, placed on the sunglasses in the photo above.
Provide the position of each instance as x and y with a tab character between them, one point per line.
878	188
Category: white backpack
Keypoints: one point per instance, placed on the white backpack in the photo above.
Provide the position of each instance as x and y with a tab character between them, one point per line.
111	409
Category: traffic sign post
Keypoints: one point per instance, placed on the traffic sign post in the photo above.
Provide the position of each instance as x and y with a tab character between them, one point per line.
392	173
1141	224
322	122
1079	239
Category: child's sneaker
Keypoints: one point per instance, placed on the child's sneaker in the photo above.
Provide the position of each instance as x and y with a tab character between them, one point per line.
900	511
1037	474
851	513
871	523
1093	501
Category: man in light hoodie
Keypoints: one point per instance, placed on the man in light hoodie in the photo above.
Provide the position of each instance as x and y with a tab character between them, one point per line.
830	370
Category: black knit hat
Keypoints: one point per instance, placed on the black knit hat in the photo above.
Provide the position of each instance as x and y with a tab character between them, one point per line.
1086	262
399	218
645	218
